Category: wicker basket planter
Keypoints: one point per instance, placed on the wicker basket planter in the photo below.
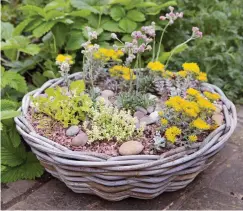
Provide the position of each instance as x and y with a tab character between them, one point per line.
117	178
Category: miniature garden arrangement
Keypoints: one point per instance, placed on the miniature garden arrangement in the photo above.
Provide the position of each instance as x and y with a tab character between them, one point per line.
124	126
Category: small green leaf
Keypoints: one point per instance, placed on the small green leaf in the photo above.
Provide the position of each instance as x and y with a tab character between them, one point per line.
127	25
21	26
31	49
43	28
74	41
77	86
52	15
49	74
135	15
117	12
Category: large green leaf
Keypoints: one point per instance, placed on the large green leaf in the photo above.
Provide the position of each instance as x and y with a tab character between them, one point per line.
75	40
136	16
52	15
43	28
6	30
60	32
21	26
111	26
155	10
31	49
8	104
117	12
80	13
127	25
7	114
32	10
30	169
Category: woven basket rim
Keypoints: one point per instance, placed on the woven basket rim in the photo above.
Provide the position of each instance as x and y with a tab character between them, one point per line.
26	130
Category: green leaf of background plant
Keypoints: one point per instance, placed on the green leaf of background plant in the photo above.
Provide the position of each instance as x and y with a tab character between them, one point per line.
74	41
8	104
80	13
8	114
117	12
33	10
49	74
60	32
52	15
31	49
6	30
127	25
21	26
43	28
155	10
136	16
111	26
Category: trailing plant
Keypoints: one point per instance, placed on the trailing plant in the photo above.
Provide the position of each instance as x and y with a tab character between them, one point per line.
65	104
110	123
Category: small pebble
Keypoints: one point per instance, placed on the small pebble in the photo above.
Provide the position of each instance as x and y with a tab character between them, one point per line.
139	114
107	93
139	108
72	131
155	116
131	148
80	140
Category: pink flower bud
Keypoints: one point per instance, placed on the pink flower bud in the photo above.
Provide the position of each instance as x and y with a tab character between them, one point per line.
195	29
162	18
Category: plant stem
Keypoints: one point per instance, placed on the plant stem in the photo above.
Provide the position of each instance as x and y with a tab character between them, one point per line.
160	41
100	14
17	56
172	52
137	76
153	49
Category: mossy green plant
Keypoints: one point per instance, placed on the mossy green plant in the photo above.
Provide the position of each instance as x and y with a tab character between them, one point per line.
110	123
68	106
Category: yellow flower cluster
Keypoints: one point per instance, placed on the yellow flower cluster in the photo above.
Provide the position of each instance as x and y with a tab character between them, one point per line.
203	103
179	104
108	54
195	70
122	71
171	133
182	73
164	121
64	58
212	96
168	74
192	92
200	124
156	66
192	138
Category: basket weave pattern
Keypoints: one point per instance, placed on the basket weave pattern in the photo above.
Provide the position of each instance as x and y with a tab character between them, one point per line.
117	178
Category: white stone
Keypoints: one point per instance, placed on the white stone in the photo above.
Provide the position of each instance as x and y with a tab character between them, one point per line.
153	97
107	93
72	131
147	120
154	116
80	140
131	148
218	119
150	109
219	108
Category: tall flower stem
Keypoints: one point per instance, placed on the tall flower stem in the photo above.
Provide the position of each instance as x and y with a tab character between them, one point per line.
153	49
137	75
173	51
160	41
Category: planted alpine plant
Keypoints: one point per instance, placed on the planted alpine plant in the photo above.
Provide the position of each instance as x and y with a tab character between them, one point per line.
123	117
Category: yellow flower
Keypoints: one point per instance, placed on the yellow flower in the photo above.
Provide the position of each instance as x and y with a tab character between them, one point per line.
64	58
211	96
200	124
108	54
171	133
202	76
205	104
190	108
191	67
156	66
182	73
122	71
192	138
175	103
161	113
164	121
192	92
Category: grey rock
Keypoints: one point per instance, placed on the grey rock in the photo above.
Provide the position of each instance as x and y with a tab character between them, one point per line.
131	148
107	93
80	140
72	131
150	109
218	119
139	108
139	114
147	120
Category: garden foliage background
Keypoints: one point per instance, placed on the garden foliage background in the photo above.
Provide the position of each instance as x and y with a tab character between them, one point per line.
33	32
